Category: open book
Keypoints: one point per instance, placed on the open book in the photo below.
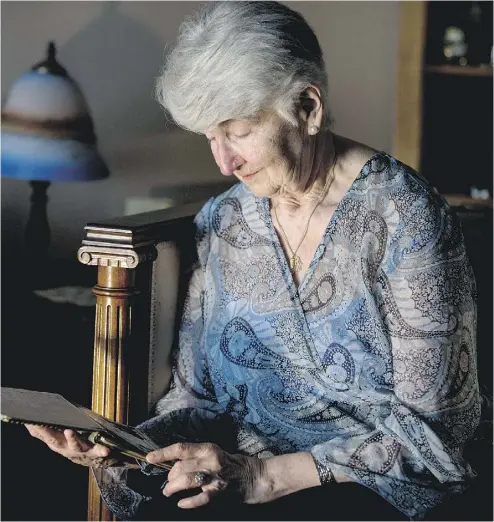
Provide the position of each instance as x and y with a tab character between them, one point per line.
54	411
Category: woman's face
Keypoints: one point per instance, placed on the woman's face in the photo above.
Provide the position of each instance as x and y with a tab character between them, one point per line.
264	153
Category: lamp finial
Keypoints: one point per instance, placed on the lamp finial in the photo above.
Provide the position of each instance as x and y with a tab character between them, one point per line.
51	50
50	65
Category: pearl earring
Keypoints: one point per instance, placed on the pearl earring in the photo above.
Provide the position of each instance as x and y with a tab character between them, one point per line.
314	129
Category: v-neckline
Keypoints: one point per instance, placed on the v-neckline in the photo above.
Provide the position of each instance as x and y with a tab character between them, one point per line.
294	289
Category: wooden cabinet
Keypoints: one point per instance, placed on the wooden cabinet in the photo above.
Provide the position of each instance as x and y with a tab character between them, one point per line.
443	125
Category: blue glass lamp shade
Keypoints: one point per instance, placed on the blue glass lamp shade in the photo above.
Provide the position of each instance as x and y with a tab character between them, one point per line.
47	132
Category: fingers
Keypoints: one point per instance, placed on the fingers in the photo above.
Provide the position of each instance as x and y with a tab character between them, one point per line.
199	500
183	466
98	450
180	451
179	483
78	445
74	443
52	438
68	443
186	481
191	458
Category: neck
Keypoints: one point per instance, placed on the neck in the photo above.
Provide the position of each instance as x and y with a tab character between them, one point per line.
314	178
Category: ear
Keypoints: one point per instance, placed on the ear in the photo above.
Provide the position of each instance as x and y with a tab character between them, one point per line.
311	109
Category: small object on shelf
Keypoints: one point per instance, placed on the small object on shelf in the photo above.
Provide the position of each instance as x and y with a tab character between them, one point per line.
467	33
455	46
482	194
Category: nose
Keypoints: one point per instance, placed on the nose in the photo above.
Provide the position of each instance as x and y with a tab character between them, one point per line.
226	158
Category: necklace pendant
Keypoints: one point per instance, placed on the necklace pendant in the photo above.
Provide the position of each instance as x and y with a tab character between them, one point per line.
295	263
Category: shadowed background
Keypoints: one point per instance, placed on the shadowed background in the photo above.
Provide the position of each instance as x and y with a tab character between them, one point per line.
114	50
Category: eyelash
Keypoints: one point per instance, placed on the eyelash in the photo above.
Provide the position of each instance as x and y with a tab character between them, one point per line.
237	136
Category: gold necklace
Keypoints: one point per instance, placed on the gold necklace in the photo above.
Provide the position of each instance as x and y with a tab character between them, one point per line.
295	262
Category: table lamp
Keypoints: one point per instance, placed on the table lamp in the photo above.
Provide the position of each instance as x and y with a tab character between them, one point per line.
47	135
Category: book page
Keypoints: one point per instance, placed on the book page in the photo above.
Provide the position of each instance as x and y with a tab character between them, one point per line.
49	409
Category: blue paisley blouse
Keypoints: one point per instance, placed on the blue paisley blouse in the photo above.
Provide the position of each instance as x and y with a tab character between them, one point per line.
370	364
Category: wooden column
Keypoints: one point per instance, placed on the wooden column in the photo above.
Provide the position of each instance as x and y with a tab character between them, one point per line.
110	397
113	351
114	293
123	250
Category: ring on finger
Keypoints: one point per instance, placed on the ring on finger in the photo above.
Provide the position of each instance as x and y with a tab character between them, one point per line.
201	478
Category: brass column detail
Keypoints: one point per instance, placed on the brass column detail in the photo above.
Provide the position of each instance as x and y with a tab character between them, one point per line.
114	293
110	398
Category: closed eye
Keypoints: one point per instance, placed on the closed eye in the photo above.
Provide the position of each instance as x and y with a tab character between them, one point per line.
239	134
239	129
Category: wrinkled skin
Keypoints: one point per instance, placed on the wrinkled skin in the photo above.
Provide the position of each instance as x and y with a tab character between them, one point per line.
237	474
75	448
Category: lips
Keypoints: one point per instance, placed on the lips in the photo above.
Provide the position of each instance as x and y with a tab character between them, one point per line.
249	176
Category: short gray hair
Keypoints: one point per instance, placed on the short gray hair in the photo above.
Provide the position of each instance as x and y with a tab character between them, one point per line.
234	59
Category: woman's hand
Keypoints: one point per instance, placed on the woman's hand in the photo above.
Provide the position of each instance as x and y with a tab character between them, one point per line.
223	471
76	449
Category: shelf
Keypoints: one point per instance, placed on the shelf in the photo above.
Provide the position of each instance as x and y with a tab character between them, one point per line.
459	70
460	200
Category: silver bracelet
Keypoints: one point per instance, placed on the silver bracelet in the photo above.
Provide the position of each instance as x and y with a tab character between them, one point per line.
325	474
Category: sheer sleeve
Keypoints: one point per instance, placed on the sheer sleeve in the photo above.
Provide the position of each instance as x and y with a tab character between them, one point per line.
424	298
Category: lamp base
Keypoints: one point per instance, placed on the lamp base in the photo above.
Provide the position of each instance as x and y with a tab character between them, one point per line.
37	234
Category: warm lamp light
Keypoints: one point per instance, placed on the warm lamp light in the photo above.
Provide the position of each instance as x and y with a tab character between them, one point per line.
47	135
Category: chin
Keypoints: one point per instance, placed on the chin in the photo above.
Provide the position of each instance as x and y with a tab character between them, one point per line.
260	191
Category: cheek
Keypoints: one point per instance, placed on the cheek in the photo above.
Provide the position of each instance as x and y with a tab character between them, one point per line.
263	153
289	151
214	152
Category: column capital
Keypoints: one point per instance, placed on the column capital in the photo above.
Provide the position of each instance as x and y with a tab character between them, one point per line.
115	256
128	241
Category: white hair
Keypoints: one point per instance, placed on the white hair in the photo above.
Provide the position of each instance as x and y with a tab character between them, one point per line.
234	59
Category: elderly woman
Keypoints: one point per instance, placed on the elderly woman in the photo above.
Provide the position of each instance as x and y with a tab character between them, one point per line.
329	332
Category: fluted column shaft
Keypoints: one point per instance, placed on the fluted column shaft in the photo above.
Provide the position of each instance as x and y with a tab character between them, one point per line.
111	394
